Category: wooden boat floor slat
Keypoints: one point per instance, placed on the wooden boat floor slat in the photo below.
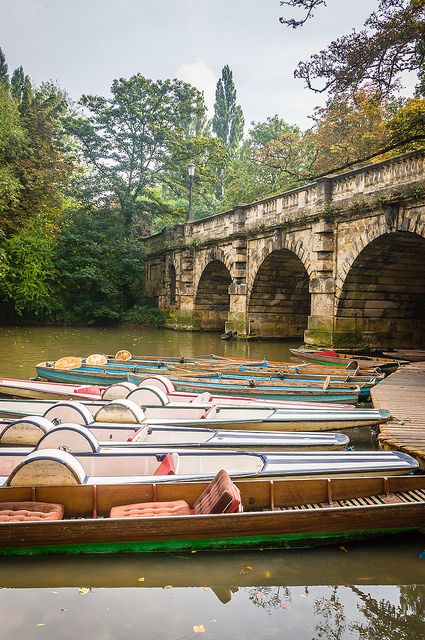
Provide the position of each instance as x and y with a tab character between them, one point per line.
393	498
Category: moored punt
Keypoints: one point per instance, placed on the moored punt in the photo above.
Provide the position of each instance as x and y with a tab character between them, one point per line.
260	389
411	355
59	467
37	389
292	374
28	426
42	390
326	383
96	375
281	513
337	359
33	431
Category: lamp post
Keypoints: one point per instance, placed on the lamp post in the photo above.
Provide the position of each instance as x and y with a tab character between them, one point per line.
191	170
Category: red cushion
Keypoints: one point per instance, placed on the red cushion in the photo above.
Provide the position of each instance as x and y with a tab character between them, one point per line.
151	509
93	390
167	466
29	511
221	496
329	352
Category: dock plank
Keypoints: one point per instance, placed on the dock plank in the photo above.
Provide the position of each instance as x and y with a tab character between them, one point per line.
403	393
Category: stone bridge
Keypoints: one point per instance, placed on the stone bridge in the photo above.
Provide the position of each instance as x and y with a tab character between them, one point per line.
340	261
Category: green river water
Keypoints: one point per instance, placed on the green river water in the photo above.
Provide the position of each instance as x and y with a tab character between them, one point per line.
367	591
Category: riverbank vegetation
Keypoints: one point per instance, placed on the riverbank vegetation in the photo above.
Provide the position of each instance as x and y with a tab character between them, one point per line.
82	183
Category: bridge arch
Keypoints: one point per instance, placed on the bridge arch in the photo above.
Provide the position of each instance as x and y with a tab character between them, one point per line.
381	298
279	300
212	298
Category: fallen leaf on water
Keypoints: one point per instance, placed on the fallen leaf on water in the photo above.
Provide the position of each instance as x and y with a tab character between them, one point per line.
267	574
83	591
342	548
245	569
194	551
198	628
140	579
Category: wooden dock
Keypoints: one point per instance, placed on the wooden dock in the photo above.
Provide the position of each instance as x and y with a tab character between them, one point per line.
403	393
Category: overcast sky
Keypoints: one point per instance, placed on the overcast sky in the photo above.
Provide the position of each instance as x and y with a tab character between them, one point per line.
85	44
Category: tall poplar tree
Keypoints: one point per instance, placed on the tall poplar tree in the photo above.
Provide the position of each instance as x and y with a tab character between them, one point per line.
4	75
228	121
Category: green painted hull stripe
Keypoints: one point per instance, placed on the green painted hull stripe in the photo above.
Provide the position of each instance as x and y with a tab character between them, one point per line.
295	540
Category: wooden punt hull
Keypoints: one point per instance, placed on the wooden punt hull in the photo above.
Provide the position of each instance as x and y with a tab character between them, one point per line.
42	390
262	391
342	359
80	376
278	515
59	467
134	437
120	415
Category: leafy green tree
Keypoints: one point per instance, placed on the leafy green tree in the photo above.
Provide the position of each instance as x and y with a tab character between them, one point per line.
139	139
228	121
27	271
20	86
100	265
4	74
274	157
13	142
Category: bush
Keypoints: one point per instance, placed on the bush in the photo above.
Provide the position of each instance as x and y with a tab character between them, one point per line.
145	315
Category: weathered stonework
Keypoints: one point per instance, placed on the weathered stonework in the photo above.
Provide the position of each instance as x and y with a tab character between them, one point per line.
340	261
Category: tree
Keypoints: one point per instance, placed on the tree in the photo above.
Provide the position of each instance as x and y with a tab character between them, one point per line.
391	42
349	128
139	139
228	121
101	268
20	86
4	75
13	140
274	157
28	270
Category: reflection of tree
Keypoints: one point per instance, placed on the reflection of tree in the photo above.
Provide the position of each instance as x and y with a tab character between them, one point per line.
386	621
270	598
334	620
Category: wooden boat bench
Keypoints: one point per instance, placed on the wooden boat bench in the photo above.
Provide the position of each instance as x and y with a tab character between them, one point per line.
220	496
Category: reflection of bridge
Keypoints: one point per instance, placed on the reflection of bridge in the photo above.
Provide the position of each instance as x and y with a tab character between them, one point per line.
341	260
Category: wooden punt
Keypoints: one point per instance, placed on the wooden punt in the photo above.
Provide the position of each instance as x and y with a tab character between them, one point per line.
33	418
276	514
325	383
32	430
260	389
106	376
411	355
337	359
42	390
59	467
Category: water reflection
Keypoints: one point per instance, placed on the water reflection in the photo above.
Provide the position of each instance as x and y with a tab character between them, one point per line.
314	594
21	348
